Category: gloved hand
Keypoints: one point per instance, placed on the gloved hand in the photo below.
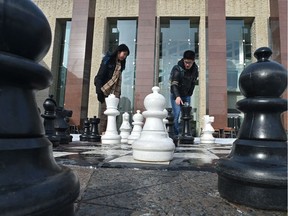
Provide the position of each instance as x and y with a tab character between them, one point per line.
101	97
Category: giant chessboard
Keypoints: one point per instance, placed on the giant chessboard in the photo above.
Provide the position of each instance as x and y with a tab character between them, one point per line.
92	154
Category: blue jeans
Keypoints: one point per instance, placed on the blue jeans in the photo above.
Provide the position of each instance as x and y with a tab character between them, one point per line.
176	111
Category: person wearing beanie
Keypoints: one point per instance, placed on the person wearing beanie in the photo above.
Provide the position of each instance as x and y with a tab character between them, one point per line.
183	78
108	78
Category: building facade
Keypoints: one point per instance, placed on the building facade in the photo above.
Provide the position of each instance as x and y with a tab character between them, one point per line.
223	33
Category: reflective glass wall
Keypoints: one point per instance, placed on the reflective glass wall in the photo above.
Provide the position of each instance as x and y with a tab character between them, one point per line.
238	45
125	31
65	29
176	36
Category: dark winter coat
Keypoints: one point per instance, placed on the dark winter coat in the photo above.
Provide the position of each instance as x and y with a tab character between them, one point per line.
106	71
183	81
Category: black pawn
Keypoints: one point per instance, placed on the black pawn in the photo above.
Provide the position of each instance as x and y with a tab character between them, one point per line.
94	134
255	172
186	133
49	116
32	183
170	125
86	130
61	125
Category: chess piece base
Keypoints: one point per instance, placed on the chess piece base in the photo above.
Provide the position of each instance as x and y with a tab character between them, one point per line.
110	139
186	140
244	178
207	139
38	186
83	138
94	139
147	150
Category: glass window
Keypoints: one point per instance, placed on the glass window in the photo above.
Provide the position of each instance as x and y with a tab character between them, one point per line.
176	36
238	45
125	31
65	27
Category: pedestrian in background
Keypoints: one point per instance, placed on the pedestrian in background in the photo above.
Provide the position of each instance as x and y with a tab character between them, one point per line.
183	78
108	79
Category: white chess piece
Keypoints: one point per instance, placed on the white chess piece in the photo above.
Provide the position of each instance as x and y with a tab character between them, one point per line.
125	128
208	130
154	143
111	135
137	127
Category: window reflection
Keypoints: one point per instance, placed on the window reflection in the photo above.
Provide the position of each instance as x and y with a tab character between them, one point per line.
124	31
64	28
176	36
238	45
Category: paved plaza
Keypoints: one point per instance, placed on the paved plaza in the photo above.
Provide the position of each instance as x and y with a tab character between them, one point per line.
113	183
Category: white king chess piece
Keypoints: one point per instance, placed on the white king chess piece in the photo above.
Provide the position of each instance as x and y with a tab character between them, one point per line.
125	128
207	133
111	135
154	143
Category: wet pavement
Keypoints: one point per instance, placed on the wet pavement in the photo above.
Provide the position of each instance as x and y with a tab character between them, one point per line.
113	183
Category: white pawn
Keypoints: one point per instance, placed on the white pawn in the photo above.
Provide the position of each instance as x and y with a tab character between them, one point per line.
208	130
137	127
111	135
125	128
154	143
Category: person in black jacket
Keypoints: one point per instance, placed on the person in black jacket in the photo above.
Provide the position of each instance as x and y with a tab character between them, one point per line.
108	78
184	76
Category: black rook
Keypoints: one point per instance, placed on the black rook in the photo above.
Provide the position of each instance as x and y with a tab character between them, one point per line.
255	172
31	182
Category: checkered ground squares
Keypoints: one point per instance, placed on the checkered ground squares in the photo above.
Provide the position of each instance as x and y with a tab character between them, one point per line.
120	155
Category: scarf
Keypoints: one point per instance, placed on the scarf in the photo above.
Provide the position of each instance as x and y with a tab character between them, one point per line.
113	86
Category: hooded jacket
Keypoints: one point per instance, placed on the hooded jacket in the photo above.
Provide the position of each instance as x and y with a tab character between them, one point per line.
183	81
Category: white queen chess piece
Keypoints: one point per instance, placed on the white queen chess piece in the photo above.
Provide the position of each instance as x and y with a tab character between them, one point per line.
154	143
111	135
125	128
137	127
208	130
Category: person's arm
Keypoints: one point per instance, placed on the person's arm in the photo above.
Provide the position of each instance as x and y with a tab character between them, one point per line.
175	82
98	82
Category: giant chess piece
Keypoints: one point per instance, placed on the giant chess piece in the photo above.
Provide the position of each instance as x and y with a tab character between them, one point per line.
62	126
154	143
186	137
255	172
170	126
137	127
31	181
49	116
111	135
125	128
94	132
86	130
208	130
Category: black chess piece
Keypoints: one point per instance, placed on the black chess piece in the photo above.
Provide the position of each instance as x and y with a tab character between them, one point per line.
255	172
49	117
86	130
94	133
61	125
32	183
186	136
170	126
